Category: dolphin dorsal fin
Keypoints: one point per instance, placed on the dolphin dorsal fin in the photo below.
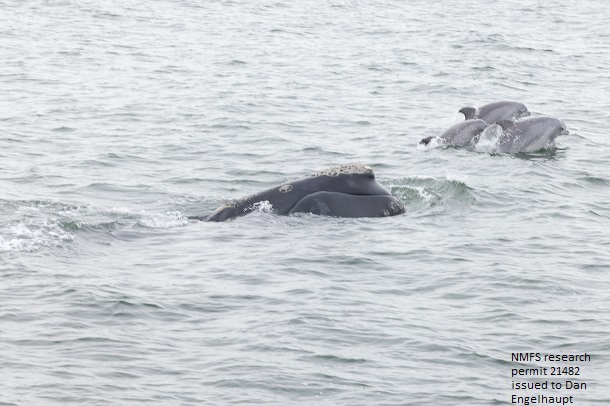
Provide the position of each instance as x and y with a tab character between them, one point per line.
506	125
469	112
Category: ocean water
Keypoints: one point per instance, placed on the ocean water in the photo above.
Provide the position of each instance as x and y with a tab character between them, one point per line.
120	119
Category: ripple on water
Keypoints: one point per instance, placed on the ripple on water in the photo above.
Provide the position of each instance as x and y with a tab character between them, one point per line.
32	225
423	193
119	116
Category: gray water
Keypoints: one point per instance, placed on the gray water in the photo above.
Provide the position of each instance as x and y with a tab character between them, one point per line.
120	119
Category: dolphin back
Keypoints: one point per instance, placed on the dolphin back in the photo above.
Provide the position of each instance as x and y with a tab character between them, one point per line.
491	113
462	133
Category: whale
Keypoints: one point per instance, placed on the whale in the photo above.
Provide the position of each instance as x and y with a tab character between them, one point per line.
341	191
529	134
459	135
497	111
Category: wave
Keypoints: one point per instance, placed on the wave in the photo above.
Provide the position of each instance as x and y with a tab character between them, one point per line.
31	225
420	192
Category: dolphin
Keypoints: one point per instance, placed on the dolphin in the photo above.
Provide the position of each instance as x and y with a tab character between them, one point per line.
460	134
530	134
497	111
341	191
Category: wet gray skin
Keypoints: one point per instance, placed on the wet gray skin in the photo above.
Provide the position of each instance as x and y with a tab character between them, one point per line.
497	111
530	134
460	134
342	191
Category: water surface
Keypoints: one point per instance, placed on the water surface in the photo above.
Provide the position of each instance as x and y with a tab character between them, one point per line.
118	120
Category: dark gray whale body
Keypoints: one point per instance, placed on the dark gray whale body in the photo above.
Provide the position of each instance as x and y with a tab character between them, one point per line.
342	191
497	111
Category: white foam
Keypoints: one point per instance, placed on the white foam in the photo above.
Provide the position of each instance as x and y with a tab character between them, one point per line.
171	219
458	118
454	177
264	207
37	225
421	177
488	140
424	194
33	233
435	142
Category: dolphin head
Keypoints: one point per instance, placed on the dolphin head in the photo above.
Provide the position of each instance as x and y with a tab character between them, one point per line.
504	110
564	128
554	127
520	110
542	126
531	134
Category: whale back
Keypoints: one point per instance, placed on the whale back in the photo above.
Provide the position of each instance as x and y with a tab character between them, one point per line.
353	179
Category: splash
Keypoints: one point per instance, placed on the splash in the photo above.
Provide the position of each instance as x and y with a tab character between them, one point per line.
263	207
171	219
424	192
29	226
435	142
488	140
31	233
